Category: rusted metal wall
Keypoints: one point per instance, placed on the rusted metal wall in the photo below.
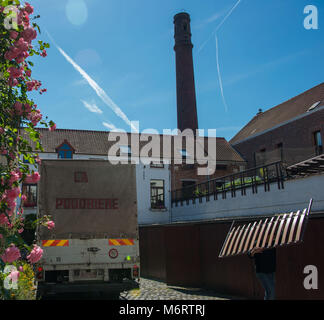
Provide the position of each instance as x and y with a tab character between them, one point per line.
153	252
191	259
292	261
183	253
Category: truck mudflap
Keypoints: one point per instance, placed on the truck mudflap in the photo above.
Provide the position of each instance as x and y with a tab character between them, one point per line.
45	288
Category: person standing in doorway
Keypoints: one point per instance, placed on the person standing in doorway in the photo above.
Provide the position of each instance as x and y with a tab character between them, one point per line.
265	269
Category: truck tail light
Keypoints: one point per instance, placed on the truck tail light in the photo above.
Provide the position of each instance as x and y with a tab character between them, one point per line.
135	271
40	273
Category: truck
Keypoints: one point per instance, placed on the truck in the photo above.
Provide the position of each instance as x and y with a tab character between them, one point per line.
94	246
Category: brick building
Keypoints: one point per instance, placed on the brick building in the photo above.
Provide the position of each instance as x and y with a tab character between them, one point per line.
292	132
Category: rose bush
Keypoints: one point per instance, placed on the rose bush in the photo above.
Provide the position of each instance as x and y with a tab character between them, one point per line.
19	139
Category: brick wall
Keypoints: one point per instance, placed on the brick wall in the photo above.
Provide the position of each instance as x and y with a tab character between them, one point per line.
297	139
180	173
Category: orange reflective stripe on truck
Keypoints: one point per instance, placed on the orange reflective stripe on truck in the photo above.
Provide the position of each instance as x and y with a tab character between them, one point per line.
55	243
121	242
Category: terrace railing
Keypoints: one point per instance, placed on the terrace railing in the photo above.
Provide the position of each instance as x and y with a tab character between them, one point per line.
255	178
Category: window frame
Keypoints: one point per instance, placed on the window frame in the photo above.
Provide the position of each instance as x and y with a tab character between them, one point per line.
63	149
156	206
25	190
318	142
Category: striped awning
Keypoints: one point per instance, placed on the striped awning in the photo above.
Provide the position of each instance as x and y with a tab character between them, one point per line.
282	229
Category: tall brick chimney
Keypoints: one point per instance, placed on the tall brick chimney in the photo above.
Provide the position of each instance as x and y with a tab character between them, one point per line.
186	93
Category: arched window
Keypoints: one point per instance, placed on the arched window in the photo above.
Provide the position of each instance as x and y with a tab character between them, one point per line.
65	151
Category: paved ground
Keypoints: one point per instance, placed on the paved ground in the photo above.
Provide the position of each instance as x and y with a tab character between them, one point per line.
149	290
156	290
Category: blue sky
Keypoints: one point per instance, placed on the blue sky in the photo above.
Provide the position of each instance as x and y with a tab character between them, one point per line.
125	50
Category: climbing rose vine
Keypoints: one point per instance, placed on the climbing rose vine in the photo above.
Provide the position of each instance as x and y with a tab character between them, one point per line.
19	141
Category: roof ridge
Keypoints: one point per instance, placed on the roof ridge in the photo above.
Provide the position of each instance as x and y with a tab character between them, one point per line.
101	131
236	138
291	99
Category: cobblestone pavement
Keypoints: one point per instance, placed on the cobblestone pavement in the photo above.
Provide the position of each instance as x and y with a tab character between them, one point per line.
156	290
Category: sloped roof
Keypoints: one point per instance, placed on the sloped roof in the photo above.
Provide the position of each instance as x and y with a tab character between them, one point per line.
96	143
281	113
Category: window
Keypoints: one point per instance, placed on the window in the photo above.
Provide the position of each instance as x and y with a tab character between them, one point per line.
318	142
30	191
184	154
156	165
222	167
157	194
125	150
280	148
65	151
188	188
313	106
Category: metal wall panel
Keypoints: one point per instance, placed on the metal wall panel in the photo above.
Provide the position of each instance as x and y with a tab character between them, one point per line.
183	255
192	260
152	252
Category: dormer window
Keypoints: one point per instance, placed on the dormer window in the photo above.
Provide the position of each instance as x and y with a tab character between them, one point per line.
65	150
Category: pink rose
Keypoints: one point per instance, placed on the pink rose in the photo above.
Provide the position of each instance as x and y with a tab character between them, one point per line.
29	34
12	53
18	107
22	56
14	275
15	72
43	53
33	178
53	127
28	8
35	255
13	35
21	230
14	176
50	225
23	198
12	82
21	269
28	107
3	219
12	194
11	254
22	45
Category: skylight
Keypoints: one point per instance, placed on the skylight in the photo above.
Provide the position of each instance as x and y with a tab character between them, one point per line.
314	106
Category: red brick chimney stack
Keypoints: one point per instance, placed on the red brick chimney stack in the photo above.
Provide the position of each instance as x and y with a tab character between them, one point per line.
186	93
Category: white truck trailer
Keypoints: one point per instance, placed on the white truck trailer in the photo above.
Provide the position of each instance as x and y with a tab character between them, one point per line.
94	246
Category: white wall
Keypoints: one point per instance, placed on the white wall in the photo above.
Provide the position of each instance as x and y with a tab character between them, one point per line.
294	196
144	174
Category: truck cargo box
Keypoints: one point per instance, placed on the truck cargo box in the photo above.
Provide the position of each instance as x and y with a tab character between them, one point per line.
88	199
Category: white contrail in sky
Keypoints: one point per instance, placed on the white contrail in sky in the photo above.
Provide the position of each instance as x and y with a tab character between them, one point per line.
92	107
219	75
220	24
109	125
229	13
99	91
